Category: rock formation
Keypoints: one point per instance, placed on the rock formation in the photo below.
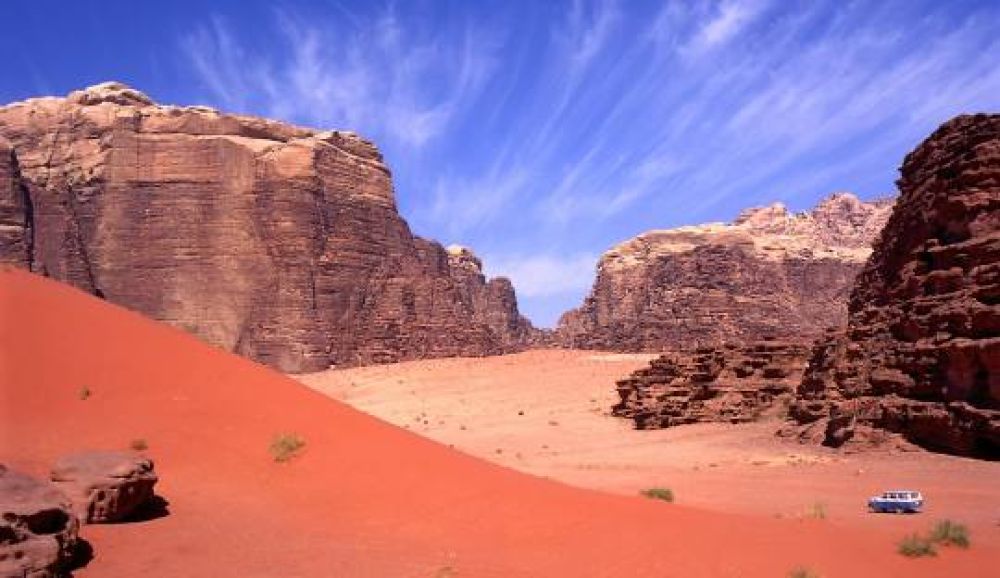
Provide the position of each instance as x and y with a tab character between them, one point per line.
921	353
38	531
277	242
15	212
493	302
770	273
723	383
105	486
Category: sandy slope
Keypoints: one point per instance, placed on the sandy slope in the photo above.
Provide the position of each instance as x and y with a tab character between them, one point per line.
366	498
546	413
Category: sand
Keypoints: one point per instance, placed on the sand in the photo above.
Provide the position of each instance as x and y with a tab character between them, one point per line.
364	498
548	413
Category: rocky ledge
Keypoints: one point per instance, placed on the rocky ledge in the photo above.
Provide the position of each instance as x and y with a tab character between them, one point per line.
713	384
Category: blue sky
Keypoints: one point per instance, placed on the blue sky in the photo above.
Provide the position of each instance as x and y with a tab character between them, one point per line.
541	133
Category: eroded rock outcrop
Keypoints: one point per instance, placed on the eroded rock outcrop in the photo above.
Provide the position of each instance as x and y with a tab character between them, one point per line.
15	210
493	301
38	531
769	273
921	353
722	384
105	486
277	242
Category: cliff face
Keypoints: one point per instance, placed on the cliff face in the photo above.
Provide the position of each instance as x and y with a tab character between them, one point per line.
770	273
921	354
15	210
277	242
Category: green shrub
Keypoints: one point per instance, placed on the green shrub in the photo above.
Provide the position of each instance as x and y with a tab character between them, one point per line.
915	546
139	445
949	533
665	494
286	446
802	572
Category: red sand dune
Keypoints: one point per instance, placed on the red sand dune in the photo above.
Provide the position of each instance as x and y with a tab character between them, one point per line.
365	498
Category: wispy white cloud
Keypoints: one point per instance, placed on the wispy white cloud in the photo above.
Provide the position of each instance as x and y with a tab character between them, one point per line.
796	86
570	126
461	205
588	29
730	17
368	75
544	274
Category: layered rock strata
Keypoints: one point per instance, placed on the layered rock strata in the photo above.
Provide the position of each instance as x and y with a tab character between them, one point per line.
15	210
38	531
713	384
921	353
277	242
769	273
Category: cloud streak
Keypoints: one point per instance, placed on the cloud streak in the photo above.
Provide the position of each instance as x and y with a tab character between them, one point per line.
543	133
375	75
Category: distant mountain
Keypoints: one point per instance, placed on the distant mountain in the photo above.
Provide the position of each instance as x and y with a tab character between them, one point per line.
770	273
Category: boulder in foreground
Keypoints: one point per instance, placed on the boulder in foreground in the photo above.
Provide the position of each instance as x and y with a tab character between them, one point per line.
38	530
105	486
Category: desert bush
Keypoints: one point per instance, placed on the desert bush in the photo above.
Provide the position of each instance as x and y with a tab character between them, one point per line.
286	446
915	546
818	511
665	494
84	393
139	445
802	572
949	533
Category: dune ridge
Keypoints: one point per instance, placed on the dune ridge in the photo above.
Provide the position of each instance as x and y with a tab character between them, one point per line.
364	498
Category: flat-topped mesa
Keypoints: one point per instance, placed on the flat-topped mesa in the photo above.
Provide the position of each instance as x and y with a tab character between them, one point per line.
770	273
278	242
921	353
713	384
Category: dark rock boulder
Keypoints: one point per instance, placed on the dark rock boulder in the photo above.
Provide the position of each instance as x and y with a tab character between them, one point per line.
38	530
105	486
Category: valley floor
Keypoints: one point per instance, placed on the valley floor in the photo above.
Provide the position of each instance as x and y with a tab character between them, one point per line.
547	413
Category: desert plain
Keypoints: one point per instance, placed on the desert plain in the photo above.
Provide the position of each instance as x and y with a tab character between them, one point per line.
369	498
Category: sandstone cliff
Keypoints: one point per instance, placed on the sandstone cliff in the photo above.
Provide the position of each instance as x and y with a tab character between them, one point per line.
277	242
921	354
15	211
771	273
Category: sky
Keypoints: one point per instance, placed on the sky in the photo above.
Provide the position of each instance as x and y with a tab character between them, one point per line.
542	133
